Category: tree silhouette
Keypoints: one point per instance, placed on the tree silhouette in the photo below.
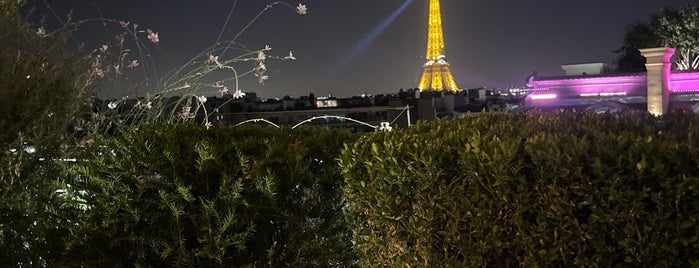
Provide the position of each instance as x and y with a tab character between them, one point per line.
674	28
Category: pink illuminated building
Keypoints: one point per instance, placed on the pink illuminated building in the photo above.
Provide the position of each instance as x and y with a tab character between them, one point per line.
659	90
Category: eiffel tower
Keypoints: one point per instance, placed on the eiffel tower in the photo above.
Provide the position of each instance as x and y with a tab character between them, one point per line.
436	75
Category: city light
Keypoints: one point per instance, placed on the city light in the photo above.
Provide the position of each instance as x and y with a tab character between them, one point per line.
543	96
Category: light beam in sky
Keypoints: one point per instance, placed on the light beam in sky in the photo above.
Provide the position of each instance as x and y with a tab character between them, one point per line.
369	38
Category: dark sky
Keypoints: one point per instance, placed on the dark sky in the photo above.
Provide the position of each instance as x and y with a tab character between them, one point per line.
494	43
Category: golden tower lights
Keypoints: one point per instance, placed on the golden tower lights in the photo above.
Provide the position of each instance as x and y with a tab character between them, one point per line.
436	75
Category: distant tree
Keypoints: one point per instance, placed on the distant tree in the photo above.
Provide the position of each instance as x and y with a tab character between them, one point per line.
680	29
675	28
638	35
312	99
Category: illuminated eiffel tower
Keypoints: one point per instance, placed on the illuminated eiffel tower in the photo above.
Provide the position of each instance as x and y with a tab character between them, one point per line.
436	75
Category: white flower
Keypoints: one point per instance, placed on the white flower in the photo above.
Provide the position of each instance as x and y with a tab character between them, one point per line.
112	105
262	78
202	99
41	32
185	113
222	90
144	104
133	64
261	67
301	9
119	39
208	125
267	48
238	94
261	56
153	37
213	60
290	56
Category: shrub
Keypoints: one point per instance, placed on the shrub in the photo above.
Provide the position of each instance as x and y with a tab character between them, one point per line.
507	190
44	91
224	197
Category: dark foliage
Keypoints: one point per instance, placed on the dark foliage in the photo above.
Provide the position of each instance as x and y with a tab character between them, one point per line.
43	92
677	28
504	190
224	197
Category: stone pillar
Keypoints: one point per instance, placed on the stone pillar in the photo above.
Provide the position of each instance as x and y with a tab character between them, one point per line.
658	65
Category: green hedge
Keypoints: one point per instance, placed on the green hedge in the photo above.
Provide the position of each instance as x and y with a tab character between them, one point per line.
224	197
503	190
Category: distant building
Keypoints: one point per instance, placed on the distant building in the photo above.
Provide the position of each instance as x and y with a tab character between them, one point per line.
659	90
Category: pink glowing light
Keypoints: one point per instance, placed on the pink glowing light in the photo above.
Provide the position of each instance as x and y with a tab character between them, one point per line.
603	94
543	96
631	88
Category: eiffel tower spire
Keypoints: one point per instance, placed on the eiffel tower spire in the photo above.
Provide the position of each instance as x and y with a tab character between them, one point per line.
436	75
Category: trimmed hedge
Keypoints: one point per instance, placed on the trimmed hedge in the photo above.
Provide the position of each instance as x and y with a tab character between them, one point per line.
224	197
503	190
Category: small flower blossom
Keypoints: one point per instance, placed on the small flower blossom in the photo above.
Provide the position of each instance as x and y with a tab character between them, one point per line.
262	78
119	40
124	24
238	94
261	67
112	105
185	113
202	99
153	37
104	48
267	48
261	56
301	9
133	64
290	56
41	32
208	125
213	60
222	90
144	104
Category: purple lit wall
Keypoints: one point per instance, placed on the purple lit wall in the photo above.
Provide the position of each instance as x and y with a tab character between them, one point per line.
684	82
588	89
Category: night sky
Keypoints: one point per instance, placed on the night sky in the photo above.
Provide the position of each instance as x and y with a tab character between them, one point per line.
494	43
